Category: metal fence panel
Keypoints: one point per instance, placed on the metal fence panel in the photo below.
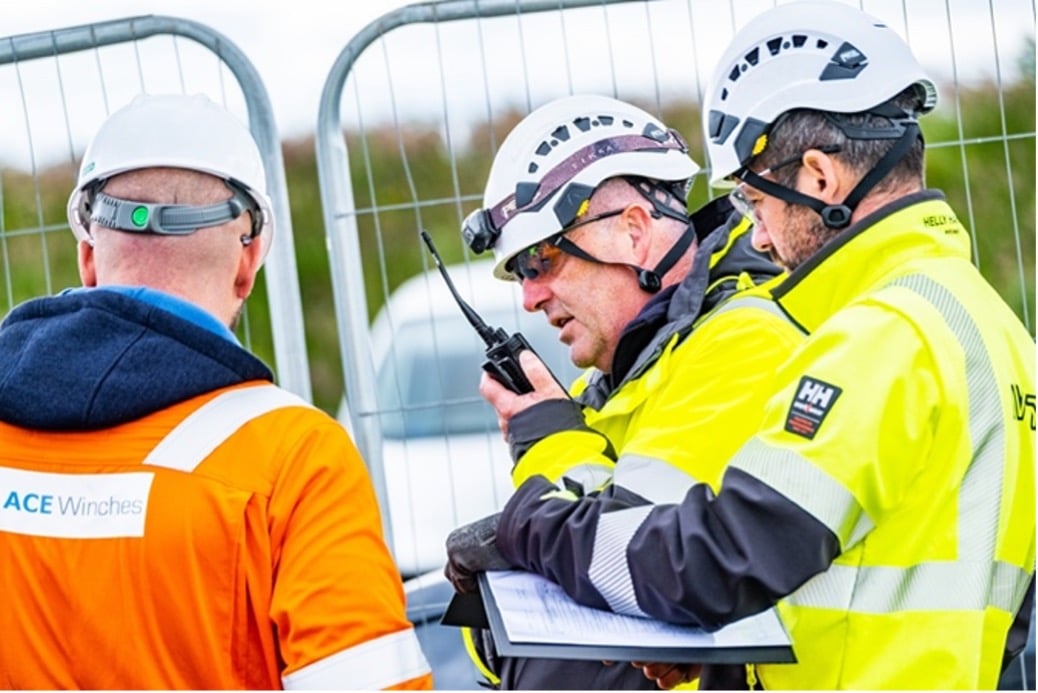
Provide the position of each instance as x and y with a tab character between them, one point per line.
58	86
417	103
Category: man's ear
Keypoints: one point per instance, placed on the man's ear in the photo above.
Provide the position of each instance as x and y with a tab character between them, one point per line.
249	263
823	176
85	259
637	223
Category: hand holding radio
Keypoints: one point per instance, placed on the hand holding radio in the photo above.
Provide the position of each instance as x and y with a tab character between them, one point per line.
508	403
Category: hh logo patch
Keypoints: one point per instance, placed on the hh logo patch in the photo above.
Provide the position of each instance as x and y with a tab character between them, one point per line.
813	401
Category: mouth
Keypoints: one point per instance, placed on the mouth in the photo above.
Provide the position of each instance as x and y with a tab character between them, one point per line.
561	324
560	321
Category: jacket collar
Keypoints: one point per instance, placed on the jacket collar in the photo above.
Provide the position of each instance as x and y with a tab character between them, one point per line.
869	253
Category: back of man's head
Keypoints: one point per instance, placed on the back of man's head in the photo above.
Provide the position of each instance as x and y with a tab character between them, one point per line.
177	131
173	263
172	195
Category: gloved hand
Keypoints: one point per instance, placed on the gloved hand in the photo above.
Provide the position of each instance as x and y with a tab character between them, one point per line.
471	549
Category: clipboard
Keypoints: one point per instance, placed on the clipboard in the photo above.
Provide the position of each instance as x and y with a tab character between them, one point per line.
605	636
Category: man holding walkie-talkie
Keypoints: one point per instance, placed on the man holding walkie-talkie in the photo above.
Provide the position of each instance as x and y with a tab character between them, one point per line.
585	207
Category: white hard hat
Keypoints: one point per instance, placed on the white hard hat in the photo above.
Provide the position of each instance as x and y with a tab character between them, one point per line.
821	55
178	131
551	162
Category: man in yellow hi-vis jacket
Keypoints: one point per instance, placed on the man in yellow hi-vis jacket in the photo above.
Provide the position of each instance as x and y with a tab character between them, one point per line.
662	307
887	502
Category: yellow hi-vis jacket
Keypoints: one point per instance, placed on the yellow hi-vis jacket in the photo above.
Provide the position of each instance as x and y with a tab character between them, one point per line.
887	503
924	466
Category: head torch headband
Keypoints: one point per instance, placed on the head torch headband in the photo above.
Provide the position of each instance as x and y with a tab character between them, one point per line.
169	220
482	227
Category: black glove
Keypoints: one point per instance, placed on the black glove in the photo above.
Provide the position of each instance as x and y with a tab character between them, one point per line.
471	549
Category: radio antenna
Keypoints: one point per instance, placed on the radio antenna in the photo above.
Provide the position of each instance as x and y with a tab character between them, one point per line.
485	331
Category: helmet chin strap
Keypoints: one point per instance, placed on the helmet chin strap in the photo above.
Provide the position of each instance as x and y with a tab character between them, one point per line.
649	281
839	216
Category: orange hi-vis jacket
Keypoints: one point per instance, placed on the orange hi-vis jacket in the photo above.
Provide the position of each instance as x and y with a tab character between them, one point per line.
229	540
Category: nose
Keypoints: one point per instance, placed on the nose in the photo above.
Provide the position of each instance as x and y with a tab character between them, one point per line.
535	294
760	239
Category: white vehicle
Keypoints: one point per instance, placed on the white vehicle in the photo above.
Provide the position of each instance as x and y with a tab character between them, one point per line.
444	457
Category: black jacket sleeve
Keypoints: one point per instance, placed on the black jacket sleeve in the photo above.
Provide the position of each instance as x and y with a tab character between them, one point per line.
707	561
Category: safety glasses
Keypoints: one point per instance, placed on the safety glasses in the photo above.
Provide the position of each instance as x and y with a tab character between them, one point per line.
541	258
746	205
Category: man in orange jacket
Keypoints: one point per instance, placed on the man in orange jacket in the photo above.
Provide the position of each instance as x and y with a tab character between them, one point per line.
169	518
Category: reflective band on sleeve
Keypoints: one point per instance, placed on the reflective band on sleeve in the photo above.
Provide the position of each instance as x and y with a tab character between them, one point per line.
386	661
653	479
807	486
206	428
608	571
759	302
591	477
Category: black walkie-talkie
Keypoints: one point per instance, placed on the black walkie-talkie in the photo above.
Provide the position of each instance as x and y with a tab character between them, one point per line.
502	348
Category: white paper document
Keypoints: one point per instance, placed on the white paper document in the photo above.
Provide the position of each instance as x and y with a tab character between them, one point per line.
534	610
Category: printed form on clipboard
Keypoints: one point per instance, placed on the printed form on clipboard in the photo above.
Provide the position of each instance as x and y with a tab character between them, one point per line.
530	616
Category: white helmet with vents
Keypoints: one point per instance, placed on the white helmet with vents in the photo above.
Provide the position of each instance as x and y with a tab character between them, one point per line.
178	131
818	54
551	162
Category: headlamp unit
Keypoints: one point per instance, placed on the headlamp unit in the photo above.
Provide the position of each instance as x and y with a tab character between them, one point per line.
479	231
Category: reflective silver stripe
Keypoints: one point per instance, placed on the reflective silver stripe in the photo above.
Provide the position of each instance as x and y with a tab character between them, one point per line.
978	516
933	586
207	427
609	572
808	486
386	661
978	523
652	479
591	477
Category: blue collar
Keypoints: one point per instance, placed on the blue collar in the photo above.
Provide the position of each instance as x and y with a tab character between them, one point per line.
171	304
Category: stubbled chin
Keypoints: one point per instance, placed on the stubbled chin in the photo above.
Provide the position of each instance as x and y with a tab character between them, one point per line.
576	351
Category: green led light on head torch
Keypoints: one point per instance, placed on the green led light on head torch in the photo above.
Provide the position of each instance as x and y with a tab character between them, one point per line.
139	217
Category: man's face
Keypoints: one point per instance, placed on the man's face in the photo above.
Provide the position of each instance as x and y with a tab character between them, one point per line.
790	233
589	303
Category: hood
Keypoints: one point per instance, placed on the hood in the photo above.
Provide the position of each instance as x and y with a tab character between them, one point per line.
94	359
